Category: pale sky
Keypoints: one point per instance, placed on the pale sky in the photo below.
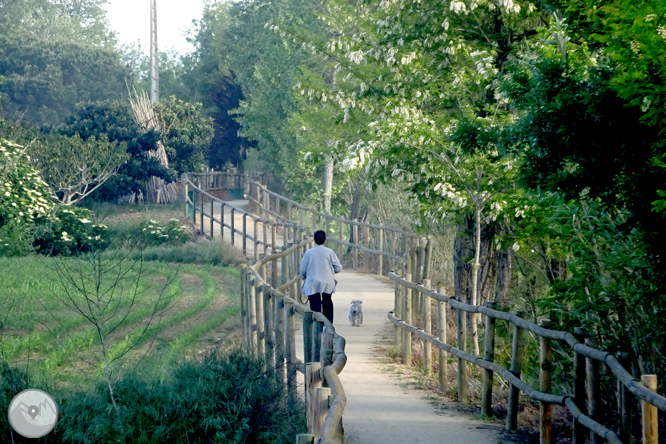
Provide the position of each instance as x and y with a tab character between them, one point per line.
131	20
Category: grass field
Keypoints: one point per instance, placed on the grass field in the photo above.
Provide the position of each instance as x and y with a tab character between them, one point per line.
56	345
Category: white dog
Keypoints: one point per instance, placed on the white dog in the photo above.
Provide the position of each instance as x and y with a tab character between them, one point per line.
356	313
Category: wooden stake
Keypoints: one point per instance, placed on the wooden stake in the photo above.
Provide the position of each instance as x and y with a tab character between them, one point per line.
321	395
427	346
462	364
312	382
580	431
441	329
545	384
650	413
487	391
516	365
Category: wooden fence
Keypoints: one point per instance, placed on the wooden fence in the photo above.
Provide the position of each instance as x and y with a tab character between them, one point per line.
377	249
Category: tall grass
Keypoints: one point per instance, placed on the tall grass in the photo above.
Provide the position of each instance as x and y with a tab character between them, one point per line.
219	399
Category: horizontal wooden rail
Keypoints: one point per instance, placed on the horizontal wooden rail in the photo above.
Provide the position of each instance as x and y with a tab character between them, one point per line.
328	216
622	375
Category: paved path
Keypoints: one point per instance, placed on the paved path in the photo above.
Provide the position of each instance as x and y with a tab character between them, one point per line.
379	410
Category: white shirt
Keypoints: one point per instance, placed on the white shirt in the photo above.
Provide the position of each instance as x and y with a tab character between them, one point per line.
318	269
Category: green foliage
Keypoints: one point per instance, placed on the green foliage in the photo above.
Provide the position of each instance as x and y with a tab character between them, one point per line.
44	80
215	253
114	121
75	168
222	398
156	233
68	231
186	133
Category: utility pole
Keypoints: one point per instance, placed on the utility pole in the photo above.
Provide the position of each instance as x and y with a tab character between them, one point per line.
154	55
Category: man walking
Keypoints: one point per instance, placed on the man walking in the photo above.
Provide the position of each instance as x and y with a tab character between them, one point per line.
318	269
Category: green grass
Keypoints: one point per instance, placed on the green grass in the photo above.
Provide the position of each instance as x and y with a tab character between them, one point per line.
55	344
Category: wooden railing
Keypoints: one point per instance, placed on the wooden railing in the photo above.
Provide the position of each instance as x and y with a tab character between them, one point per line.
269	291
583	404
408	256
375	242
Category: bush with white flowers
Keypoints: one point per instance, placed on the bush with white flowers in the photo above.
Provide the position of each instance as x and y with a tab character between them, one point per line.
67	231
23	193
158	233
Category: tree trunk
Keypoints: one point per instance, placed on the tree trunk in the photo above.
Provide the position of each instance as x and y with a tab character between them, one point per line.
475	278
328	186
503	278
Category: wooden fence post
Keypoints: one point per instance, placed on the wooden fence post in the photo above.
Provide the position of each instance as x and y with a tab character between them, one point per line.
233	226
261	333
354	249
265	232
407	310
212	216
307	336
427	346
222	205
243	283
366	242
201	221
244	234
279	338
393	262
284	269
380	265
593	391
516	365
255	253
624	404
269	347
441	330
290	340
462	364
580	431
397	309
252	307
427	258
312	382
487	391
185	197
650	413
321	395
317	329
545	385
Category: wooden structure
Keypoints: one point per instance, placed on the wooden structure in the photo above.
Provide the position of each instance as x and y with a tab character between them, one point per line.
270	288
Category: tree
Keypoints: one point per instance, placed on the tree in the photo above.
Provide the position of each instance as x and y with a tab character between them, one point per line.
75	168
44	80
104	292
113	120
186	133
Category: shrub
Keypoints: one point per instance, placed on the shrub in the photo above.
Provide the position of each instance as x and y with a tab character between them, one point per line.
158	233
69	231
23	196
223	399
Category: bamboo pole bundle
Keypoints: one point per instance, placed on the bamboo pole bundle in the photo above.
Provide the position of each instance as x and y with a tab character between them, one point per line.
144	115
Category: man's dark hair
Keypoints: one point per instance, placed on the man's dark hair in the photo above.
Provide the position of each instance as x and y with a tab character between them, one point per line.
319	237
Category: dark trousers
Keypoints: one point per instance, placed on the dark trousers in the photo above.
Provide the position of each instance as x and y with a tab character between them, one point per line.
322	303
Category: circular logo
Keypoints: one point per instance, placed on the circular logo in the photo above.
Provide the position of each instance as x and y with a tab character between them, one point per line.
33	413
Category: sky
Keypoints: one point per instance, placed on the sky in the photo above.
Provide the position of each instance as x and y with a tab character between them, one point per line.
131	20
